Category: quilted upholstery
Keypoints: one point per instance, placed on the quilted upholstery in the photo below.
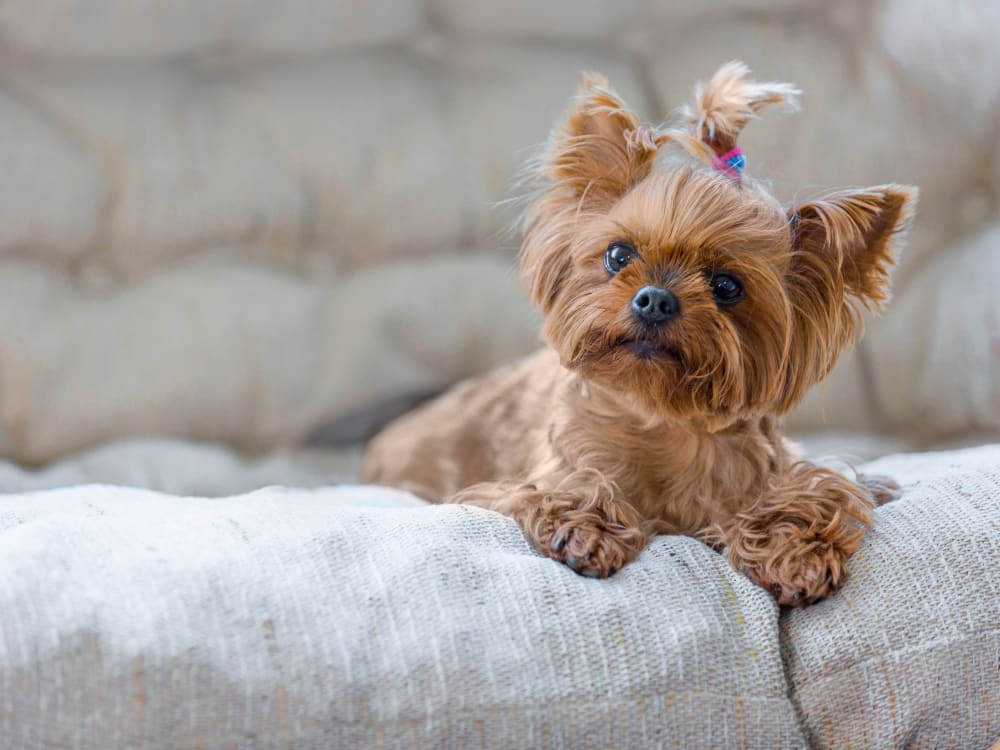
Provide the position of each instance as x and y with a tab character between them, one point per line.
238	221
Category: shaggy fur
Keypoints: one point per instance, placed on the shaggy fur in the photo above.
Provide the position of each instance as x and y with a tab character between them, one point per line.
622	429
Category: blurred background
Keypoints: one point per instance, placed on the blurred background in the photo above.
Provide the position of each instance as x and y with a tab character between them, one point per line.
235	235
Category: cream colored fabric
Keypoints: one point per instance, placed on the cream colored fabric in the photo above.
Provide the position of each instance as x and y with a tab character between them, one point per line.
908	653
239	352
89	30
359	617
184	468
214	215
317	620
950	382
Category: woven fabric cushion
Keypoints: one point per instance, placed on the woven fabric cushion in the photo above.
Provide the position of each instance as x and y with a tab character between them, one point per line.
908	654
357	617
298	619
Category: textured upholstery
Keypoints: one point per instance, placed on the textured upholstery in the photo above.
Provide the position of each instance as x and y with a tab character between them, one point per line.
909	655
216	217
357	617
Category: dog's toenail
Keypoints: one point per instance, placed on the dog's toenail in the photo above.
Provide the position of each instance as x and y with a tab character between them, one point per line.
573	563
558	542
590	573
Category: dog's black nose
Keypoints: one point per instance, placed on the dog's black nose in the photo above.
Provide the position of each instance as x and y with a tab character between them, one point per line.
654	305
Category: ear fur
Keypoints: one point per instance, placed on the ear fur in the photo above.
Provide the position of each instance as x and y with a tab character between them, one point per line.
600	151
854	233
602	148
842	249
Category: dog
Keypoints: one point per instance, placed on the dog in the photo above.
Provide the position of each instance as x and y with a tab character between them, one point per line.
685	310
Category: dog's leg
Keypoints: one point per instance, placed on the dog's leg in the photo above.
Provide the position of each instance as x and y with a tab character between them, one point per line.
581	520
796	538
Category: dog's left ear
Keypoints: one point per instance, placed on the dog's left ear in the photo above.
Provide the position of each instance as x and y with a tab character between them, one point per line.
842	249
602	149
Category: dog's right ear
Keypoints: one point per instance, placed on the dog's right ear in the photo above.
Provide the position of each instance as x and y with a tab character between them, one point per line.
602	149
599	152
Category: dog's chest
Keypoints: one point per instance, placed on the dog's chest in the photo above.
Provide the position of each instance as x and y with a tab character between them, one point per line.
692	481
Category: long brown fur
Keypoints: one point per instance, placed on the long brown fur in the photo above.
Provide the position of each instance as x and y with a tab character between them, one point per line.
619	430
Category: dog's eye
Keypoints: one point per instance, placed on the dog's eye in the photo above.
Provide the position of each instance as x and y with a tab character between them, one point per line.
619	255
726	289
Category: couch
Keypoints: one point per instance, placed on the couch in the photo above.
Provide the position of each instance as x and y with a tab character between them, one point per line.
235	237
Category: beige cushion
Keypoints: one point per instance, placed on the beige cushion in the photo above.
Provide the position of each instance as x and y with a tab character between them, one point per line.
98	30
354	160
939	349
906	654
359	617
355	618
236	351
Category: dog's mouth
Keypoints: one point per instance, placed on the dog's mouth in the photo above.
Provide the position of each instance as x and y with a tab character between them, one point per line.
645	349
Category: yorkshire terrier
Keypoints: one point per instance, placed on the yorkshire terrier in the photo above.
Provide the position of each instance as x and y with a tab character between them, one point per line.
685	311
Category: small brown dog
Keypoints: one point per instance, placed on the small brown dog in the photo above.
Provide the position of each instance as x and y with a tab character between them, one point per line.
686	310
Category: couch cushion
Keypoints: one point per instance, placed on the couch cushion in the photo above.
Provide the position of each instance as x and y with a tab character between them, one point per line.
101	30
358	616
951	381
908	653
297	618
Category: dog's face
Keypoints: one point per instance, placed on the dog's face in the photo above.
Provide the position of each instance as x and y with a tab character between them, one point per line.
675	295
688	294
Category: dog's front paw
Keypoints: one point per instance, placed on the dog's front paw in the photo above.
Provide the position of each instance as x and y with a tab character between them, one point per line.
595	550
587	543
807	586
795	540
799	570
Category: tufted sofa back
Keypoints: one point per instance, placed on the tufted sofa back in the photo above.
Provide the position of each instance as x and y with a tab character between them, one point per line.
237	222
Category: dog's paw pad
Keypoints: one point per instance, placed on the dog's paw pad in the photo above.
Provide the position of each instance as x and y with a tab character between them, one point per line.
592	550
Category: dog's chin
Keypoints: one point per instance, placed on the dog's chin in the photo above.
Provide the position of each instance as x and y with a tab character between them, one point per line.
647	373
648	351
631	356
651	379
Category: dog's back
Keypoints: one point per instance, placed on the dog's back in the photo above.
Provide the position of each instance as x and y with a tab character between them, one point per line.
482	429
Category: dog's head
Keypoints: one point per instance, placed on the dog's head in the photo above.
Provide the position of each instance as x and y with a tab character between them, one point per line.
673	281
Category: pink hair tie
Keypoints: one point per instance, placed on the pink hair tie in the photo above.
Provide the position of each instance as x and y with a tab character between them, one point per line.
731	164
